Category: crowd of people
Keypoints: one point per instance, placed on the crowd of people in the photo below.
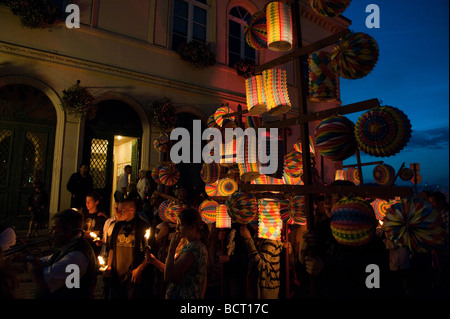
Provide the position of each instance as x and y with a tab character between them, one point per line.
146	257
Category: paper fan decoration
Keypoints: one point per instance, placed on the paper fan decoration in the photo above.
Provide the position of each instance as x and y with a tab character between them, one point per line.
168	174
220	112
380	207
335	138
355	55
164	211
161	144
406	174
155	174
256	31
352	174
226	186
384	174
383	131
329	8
414	224
242	207
208	211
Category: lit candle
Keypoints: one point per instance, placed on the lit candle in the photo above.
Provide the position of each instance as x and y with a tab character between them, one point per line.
101	262
147	237
94	236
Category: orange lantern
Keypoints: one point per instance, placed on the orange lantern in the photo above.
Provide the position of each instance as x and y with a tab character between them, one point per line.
256	97
270	222
222	218
275	88
279	26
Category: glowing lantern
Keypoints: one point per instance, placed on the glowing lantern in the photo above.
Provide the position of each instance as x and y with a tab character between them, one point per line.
208	210
298	147
270	222
248	164
275	88
210	172
322	78
339	175
279	26
222	218
256	97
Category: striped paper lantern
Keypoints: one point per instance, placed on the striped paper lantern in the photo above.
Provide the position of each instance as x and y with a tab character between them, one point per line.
255	95
275	88
226	186
210	172
242	207
256	31
276	149
248	163
297	209
208	211
298	147
223	220
384	174
161	144
352	174
279	26
322	78
219	115
293	164
211	189
168	174
339	175
252	121
163	209
270	222
155	174
406	174
329	8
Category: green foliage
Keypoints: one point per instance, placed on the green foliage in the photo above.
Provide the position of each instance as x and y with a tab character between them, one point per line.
78	101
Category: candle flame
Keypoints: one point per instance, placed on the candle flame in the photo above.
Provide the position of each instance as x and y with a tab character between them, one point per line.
93	235
147	234
101	261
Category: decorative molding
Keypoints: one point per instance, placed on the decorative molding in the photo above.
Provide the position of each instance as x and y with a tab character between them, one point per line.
330	24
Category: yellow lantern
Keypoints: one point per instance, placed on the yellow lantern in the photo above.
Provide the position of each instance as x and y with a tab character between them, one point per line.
223	220
256	97
270	222
275	87
279	26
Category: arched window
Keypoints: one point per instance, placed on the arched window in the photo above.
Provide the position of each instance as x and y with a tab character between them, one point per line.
238	49
189	23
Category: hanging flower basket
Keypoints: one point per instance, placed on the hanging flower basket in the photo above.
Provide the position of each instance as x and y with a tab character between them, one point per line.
197	53
163	114
245	68
34	13
78	101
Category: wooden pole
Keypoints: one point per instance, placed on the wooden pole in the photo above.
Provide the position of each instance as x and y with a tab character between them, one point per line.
358	159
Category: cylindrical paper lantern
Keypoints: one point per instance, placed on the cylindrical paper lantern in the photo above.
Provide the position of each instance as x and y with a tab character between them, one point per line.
298	147
248	162
297	209
353	221
242	207
322	78
256	31
339	175
275	88
255	94
208	211
270	222
210	172
352	174
169	174
329	8
279	26
335	138
384	174
226	186
223	220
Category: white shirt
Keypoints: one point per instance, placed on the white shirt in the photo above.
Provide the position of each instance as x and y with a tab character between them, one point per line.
141	185
122	182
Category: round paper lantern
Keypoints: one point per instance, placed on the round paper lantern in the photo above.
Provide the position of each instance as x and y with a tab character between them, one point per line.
226	186
168	174
329	8
352	174
162	209
211	189
384	174
155	174
335	138
208	211
355	55
172	212
223	220
380	207
242	207
297	209
414	224
352	221
255	95
210	172
293	165
275	88
383	131
298	147
161	144
279	26
406	174
270	222
220	112
256	31
322	78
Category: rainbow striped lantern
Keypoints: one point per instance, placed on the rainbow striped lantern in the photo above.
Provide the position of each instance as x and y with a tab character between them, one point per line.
164	208
352	221
267	180
279	26
210	172
275	88
242	207
226	186
208	211
155	174
352	174
168	174
248	163
380	207
297	209
270	222
335	138
223	220
293	164
339	175
298	147
161	144
211	189
255	94
256	31
329	8
285	212
384	174
322	78
219	115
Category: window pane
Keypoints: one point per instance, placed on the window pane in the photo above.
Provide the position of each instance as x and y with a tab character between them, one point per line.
199	32
202	1
249	52
180	25
233	59
181	8
200	15
178	40
235	29
234	45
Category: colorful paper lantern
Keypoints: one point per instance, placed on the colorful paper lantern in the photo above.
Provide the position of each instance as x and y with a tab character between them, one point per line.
248	163
256	31
208	211
414	224
275	148
298	147
275	88
219	115
335	138
163	209
293	164
270	222
384	174
161	144
210	172
329	8
352	174
355	55
297	209
339	175
383	131
252	121
255	94
226	186
267	180
406	174
322	78
352	221
285	212
172	213
168	174
279	26
155	174
222	218
242	207
211	189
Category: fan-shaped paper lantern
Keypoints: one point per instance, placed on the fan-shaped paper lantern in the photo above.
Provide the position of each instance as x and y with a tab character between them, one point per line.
352	174
168	174
322	78
406	174
211	189
155	174
208	210
279	26
352	221
355	55
163	210
275	88
380	207
219	115
226	186
256	31
297	209
383	131
161	144
384	174
242	207
335	138
270	223
414	224
210	172
329	8
223	220
255	95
